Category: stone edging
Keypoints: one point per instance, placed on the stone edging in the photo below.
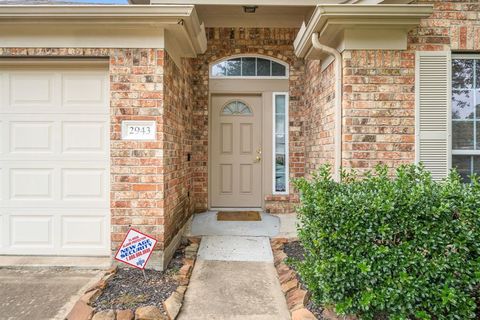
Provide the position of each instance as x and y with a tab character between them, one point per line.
82	310
297	298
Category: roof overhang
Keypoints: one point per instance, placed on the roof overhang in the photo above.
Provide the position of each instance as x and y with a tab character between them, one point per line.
356	27
97	26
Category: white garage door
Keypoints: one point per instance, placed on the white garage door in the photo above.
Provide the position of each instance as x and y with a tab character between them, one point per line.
54	158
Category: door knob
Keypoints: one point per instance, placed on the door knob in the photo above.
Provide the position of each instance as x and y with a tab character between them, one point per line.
258	159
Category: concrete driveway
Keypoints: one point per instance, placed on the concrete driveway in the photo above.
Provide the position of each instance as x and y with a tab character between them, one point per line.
41	293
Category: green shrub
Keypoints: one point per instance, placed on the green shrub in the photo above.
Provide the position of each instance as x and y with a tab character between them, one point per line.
405	247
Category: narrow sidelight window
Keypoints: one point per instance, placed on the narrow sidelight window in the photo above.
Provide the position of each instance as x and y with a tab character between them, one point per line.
280	143
466	114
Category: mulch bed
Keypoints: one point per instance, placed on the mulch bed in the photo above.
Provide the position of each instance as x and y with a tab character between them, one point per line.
128	288
295	251
124	293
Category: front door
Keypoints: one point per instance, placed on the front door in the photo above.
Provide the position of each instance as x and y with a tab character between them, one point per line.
236	151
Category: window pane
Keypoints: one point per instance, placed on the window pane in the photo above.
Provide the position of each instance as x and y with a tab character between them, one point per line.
462	104
280	147
234	67
219	70
263	67
477	71
248	68
462	135
477	102
278	70
462	73
280	175
476	165
280	124
236	108
280	104
280	144
463	166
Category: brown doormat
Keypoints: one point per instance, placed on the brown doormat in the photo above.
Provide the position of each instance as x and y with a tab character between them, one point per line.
239	216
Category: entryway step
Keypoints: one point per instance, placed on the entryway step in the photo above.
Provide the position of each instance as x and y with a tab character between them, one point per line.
206	224
234	248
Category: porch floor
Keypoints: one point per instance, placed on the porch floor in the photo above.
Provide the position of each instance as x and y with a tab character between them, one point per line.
206	224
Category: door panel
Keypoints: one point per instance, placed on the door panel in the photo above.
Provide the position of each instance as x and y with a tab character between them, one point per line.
236	141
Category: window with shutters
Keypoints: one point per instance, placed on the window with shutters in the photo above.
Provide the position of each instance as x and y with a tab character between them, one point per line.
466	114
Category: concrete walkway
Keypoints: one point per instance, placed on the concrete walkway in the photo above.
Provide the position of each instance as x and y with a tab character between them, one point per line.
41	293
234	279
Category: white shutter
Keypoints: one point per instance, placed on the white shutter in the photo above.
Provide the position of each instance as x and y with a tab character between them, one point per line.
433	111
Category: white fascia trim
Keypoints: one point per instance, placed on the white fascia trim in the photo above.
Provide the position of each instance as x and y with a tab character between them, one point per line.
329	20
303	3
94	11
181	19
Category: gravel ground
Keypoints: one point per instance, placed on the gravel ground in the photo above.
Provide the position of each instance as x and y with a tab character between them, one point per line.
129	290
295	251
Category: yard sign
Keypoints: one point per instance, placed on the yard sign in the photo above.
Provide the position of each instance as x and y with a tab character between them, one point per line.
136	249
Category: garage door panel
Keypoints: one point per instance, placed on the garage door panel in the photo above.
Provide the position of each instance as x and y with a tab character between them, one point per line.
84	137
31	184
85	90
33	89
55	137
84	184
31	231
83	231
54	160
31	137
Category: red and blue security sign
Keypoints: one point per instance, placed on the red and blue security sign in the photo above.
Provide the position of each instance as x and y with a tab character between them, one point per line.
136	249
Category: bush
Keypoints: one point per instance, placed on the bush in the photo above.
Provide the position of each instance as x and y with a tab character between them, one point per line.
391	248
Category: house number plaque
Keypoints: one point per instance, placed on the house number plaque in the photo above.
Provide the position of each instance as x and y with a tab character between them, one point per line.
139	130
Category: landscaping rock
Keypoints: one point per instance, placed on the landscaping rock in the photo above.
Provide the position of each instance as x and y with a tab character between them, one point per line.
104	315
286	276
297	299
125	315
80	311
303	314
149	313
90	296
289	285
173	304
113	269
329	314
182	289
279	257
99	285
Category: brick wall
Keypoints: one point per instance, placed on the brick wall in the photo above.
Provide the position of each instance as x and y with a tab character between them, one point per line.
319	116
379	86
138	178
224	42
378	108
177	145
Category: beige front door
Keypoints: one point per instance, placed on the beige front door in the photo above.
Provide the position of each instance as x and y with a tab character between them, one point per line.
236	151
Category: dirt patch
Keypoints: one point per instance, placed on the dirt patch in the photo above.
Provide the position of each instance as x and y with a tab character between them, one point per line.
295	251
128	288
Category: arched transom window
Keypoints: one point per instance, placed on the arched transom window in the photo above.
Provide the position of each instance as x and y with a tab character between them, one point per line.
236	108
248	67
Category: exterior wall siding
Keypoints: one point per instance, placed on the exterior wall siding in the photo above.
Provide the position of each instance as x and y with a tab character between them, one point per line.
225	42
